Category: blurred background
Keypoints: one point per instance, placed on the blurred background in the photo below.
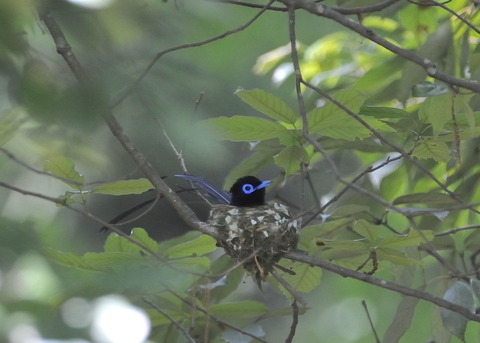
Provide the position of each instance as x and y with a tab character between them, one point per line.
45	114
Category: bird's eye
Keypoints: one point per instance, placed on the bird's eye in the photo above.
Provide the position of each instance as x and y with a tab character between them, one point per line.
248	188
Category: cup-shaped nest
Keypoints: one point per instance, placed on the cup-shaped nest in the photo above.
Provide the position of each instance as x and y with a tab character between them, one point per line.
257	237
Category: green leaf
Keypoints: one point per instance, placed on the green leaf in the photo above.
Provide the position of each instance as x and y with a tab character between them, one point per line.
305	280
345	249
65	169
124	187
378	125
192	264
106	261
390	113
429	198
268	104
461	294
247	308
332	121
68	259
116	243
290	159
395	256
158	319
366	229
432	148
242	128
233	278
413	239
437	110
199	246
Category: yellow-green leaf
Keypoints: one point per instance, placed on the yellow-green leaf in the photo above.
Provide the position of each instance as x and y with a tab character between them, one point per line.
432	148
64	168
413	239
306	277
334	122
268	104
242	128
116	243
197	247
290	159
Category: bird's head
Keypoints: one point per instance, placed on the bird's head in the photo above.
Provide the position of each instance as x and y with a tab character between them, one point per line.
248	191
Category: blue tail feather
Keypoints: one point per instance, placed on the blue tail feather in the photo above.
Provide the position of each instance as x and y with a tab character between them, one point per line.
222	196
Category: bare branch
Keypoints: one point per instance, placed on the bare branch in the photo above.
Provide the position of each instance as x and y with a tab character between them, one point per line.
187	214
170	318
186	46
411	292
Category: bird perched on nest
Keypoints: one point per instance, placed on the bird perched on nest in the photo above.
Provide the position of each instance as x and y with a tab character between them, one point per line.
253	232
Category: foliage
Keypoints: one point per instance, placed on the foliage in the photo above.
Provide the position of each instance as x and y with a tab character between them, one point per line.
370	133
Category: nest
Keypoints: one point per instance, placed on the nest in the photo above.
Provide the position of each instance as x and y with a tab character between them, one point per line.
257	237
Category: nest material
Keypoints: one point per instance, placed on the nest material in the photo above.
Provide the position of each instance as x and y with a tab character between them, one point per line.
258	236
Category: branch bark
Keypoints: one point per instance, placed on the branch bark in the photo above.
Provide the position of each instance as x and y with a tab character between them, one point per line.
65	50
392	286
428	65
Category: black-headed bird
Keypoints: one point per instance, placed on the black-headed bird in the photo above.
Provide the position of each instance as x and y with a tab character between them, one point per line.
255	233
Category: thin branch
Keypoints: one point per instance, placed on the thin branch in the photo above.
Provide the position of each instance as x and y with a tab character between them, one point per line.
452	12
428	65
297	297
457	229
377	339
87	214
377	134
337	196
186	46
185	212
314	261
170	318
218	320
11	156
293	327
346	11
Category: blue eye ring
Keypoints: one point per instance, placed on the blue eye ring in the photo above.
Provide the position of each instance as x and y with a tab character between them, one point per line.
248	188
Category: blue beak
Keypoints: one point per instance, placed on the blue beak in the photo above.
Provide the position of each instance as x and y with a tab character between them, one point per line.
263	185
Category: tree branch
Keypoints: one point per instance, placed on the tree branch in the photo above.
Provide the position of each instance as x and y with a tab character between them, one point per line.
64	49
429	66
411	292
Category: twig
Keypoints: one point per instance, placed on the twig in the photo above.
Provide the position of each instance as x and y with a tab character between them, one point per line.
11	156
457	229
84	213
186	46
314	261
218	320
428	65
170	318
452	12
293	327
346	11
297	297
185	212
377	134
377	339
337	196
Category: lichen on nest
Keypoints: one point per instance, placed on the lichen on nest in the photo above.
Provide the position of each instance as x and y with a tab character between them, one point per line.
258	237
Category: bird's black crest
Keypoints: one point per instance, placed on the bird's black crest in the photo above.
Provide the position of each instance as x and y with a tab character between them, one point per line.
248	191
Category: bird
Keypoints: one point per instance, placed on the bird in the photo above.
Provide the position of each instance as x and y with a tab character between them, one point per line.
255	233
